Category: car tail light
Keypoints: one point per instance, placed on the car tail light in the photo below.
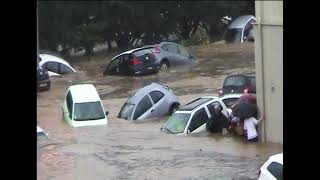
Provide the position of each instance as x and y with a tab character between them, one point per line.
246	90
157	49
135	61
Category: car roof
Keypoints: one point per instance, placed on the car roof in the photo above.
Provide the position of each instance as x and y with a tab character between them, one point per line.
84	93
49	57
277	158
194	105
144	91
131	51
227	96
240	21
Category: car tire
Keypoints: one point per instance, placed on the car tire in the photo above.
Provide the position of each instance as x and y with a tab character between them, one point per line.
164	65
174	107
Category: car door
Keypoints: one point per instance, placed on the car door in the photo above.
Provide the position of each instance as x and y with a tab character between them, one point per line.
198	121
143	108
173	54
160	105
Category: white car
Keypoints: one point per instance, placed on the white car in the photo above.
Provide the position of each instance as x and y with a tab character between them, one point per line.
83	107
55	65
192	117
272	169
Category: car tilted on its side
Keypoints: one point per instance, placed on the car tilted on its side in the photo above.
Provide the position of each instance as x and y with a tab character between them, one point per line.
192	117
82	106
154	100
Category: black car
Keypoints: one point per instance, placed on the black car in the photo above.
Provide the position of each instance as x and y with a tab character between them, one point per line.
133	62
43	80
238	84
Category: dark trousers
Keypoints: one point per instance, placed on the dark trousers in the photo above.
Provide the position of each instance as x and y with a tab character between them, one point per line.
253	139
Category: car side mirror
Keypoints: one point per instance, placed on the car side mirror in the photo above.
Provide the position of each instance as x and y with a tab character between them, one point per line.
107	112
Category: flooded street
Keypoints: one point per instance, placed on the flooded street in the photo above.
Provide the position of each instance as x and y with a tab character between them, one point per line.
138	150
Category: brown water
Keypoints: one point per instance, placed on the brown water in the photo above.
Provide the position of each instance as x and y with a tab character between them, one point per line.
138	150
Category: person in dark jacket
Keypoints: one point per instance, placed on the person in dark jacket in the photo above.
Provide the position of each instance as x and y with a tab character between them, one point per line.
217	121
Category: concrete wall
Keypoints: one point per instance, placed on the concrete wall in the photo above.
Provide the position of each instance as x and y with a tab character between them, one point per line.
269	68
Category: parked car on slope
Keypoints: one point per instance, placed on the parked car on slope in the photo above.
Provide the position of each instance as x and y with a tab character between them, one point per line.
238	84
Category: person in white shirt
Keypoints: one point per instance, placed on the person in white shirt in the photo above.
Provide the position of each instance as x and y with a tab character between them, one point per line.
250	127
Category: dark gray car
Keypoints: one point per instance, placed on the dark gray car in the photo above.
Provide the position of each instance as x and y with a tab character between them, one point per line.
154	100
170	54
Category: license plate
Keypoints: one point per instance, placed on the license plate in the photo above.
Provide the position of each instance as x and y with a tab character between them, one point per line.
43	85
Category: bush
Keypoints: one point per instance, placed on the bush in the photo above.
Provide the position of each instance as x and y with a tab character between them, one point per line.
198	38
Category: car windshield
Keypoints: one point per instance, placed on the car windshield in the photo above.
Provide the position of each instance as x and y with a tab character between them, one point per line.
235	81
177	123
233	35
88	111
230	102
126	111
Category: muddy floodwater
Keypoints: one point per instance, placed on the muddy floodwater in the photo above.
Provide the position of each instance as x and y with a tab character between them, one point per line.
138	150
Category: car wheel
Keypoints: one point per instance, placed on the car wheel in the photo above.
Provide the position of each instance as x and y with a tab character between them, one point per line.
164	65
174	107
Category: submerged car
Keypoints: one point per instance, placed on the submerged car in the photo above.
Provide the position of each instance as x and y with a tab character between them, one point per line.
192	117
134	62
170	54
55	65
83	107
272	169
238	84
154	100
41	134
240	30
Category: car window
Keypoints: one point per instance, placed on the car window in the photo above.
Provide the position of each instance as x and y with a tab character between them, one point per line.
53	66
198	119
144	105
229	102
235	81
88	111
156	96
211	107
69	101
65	69
276	170
143	54
173	49
183	51
164	47
114	63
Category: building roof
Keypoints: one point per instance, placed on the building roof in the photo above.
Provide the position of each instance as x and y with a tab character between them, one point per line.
84	93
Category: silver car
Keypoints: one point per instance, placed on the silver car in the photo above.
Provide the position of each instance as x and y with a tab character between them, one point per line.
240	30
154	100
171	54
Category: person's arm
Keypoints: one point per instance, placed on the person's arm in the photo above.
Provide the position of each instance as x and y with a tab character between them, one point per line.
257	121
